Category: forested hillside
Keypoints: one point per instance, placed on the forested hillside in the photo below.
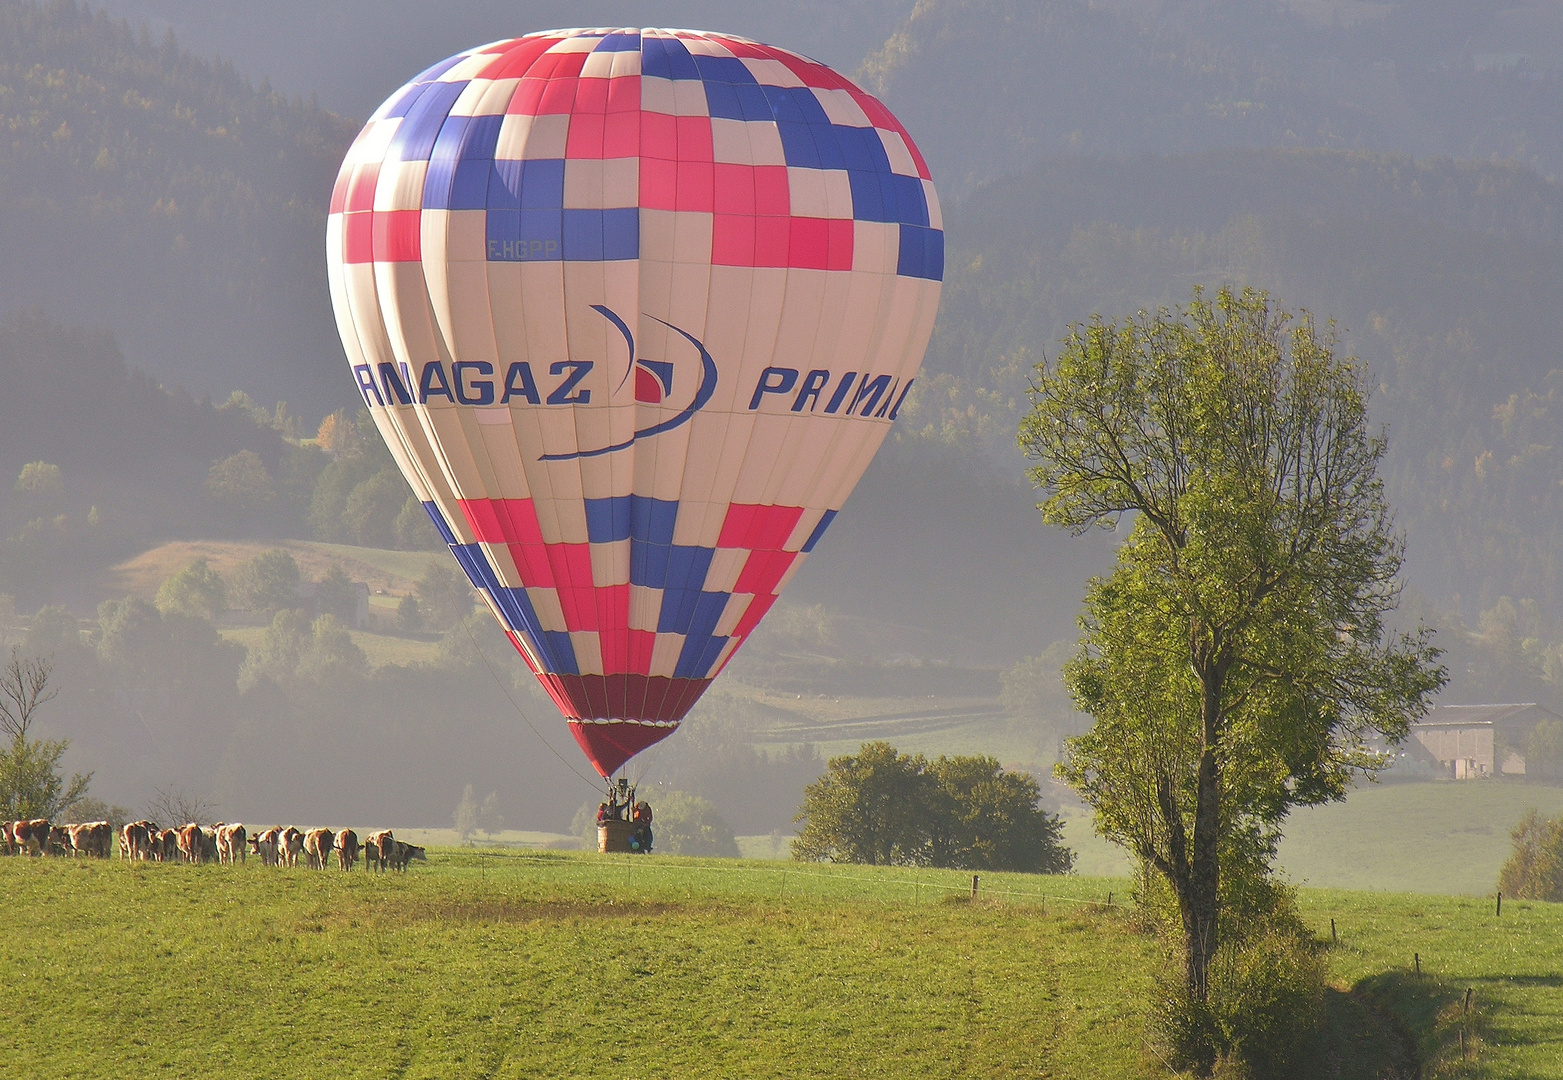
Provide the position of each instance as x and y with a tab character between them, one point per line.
1441	275
1427	77
165	199
355	52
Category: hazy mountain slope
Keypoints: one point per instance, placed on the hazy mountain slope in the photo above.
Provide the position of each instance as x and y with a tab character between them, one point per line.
989	86
1442	276
132	458
355	52
164	198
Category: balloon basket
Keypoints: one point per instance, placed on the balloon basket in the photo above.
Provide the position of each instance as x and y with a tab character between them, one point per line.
615	836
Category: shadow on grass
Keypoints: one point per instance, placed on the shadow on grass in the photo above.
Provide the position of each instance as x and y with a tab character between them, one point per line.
1442	1035
1359	1041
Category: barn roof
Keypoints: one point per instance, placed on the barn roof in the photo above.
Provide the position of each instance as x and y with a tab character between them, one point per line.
1455	715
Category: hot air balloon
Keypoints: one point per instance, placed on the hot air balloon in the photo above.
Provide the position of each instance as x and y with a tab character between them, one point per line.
633	310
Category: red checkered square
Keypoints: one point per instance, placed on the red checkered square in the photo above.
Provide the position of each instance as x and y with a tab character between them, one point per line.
559	65
569	562
772	241
659	136
532	563
639	659
696	187
658	182
756	527
516	59
591	96
694	138
358	237
763	571
624	95
397	236
558	94
503	521
732	240
585	137
752	615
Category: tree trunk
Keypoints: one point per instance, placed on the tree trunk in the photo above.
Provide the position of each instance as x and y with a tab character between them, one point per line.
1203	906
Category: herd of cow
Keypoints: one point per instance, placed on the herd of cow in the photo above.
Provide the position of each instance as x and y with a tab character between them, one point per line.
280	845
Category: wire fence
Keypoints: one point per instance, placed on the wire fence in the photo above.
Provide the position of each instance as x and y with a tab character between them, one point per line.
627	868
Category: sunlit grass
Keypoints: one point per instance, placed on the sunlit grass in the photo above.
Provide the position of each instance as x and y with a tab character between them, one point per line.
504	963
562	966
1513	965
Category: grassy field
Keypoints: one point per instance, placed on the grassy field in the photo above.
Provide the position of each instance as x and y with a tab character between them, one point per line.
1439	837
551	964
559	966
1512	964
379	649
1445	838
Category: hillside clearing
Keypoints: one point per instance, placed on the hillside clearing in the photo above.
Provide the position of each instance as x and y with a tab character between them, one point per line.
391	572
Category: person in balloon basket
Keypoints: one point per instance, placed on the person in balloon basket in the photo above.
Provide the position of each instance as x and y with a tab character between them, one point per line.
640	840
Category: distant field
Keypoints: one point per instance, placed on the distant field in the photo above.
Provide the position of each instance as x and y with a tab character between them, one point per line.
504	838
379	649
393	572
1439	837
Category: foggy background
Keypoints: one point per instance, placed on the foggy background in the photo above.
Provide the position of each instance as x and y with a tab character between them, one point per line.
167	344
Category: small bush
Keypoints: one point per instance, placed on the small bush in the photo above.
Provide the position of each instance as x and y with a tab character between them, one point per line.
1265	1004
1535	868
1266	982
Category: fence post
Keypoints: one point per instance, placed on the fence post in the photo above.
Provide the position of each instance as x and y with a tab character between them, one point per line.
974	880
1416	962
1500	905
1469	991
1334	937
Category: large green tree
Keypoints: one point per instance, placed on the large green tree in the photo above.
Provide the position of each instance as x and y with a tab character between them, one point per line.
1237	659
883	807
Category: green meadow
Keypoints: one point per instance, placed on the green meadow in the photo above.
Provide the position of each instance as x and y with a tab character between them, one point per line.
561	964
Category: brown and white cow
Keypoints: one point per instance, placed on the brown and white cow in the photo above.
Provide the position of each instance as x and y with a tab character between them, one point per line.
7	844
59	840
346	848
317	846
32	837
168	845
230	844
90	839
264	844
378	849
135	840
190	842
290	845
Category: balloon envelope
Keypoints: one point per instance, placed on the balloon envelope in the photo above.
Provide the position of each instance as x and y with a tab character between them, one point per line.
633	310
